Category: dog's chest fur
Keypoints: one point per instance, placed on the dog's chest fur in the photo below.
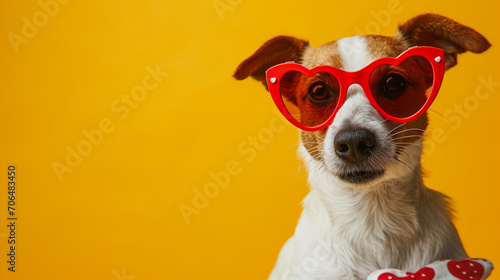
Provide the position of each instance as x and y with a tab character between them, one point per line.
347	234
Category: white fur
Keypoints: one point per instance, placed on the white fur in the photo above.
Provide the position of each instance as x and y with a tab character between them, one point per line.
347	231
354	54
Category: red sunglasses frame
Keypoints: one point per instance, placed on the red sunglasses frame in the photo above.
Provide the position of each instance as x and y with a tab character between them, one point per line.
434	56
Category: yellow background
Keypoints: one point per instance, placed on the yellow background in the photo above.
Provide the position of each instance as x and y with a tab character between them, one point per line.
116	215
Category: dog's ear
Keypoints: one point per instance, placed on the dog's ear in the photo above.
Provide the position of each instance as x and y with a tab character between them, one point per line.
442	32
275	51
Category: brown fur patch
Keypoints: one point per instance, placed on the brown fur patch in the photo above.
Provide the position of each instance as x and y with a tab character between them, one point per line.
277	50
327	54
383	46
439	31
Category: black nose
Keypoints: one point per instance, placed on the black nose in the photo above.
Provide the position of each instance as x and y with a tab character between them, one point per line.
354	145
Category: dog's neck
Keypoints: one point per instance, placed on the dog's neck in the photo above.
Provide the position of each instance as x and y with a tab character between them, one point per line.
386	209
365	224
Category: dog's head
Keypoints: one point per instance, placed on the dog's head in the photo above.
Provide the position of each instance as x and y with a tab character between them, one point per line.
360	146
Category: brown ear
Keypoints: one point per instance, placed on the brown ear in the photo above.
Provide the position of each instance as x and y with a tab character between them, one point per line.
442	32
275	51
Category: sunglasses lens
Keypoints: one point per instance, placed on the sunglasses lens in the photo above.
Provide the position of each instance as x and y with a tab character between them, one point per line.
402	90
310	100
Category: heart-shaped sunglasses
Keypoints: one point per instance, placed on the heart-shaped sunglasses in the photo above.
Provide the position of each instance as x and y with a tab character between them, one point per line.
401	89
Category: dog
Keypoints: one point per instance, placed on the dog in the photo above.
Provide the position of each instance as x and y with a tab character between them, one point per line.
360	103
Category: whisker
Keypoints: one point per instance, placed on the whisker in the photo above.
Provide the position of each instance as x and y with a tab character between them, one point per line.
302	166
406	130
408	136
307	143
298	144
407	143
444	117
413	170
398	126
383	121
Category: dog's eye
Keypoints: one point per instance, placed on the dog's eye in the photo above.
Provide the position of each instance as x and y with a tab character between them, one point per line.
393	85
318	92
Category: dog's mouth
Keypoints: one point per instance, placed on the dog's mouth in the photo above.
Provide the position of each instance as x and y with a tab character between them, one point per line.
360	176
